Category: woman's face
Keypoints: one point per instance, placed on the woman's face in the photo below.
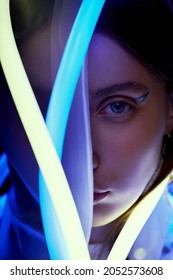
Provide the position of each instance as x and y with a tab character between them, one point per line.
127	130
130	113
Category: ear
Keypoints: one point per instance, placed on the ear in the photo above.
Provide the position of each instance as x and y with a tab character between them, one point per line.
169	126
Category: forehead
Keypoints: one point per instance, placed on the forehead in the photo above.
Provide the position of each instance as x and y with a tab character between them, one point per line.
110	63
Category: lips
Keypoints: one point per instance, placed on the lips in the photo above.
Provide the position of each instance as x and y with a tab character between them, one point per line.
98	196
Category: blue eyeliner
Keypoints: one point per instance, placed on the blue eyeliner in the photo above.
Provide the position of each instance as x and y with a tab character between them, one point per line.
141	99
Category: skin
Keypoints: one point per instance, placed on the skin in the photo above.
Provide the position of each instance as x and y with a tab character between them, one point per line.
126	148
126	143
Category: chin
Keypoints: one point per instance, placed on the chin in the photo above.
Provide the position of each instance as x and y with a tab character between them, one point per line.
103	220
105	214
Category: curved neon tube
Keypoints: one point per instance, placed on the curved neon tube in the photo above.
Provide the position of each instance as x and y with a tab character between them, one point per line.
69	70
61	100
39	138
138	218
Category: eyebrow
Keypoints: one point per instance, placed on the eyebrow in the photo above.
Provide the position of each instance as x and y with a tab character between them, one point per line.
124	86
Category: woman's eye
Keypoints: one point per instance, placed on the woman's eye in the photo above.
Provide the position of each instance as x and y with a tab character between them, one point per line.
121	108
117	107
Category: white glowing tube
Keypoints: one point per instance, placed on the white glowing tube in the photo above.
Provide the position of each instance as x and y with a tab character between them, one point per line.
135	223
39	138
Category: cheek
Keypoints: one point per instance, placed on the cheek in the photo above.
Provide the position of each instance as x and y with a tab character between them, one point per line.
127	151
127	158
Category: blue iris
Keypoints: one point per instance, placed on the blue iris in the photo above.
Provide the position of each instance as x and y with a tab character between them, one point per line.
118	107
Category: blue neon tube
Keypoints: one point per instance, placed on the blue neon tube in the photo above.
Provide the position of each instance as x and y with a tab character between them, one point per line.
69	70
58	112
3	168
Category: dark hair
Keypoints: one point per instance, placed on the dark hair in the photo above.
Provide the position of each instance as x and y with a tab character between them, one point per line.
145	28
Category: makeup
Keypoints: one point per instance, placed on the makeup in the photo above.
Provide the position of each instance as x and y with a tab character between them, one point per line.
142	98
98	196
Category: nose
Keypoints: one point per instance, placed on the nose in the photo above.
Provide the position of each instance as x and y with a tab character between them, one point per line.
95	161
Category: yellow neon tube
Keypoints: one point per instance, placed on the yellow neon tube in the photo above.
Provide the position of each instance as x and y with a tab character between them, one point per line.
135	223
39	138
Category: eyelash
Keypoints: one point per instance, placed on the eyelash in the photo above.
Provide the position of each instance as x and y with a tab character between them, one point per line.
127	110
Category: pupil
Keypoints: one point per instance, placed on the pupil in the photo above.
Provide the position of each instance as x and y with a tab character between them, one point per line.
118	107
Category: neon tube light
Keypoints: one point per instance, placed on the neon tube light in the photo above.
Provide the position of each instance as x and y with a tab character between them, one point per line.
138	218
60	104
39	138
